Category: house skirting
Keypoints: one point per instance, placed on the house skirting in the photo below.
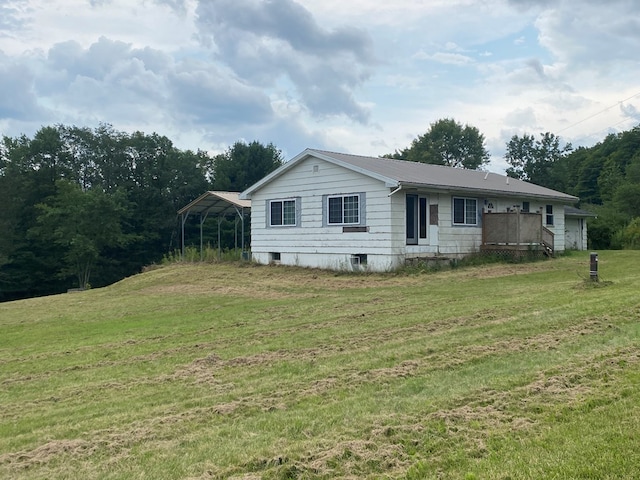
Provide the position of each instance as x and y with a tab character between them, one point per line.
344	261
517	251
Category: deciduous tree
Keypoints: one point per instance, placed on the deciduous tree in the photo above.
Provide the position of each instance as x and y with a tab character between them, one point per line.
532	159
448	143
244	164
82	224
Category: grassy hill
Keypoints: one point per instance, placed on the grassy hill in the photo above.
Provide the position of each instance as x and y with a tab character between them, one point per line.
246	372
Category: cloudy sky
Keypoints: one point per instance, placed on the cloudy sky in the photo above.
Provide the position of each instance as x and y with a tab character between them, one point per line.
357	76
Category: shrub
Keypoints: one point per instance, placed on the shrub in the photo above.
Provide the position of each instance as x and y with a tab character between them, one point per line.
208	255
629	237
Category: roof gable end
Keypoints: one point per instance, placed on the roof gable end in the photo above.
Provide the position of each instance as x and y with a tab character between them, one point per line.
321	155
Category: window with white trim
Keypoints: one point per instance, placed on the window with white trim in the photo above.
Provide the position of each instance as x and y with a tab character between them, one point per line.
343	209
465	211
549	214
282	213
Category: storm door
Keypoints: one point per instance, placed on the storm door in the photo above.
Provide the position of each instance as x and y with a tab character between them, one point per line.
416	218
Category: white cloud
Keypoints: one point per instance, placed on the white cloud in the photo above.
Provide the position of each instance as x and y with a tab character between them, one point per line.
585	36
452	58
18	98
524	118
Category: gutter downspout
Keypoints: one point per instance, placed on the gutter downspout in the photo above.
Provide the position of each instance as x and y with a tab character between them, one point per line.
396	190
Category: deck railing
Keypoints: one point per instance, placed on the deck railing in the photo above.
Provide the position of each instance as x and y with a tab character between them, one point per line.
516	231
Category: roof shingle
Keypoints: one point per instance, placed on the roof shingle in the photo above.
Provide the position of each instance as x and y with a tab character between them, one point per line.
440	177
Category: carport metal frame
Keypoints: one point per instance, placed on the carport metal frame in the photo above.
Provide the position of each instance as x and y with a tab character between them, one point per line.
218	203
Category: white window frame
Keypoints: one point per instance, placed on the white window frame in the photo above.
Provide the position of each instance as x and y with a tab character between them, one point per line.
342	208
282	202
466	212
549	220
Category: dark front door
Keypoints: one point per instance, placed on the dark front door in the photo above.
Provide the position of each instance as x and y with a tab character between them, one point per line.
412	219
417	221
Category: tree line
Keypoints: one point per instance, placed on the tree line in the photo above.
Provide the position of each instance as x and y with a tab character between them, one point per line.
87	206
606	178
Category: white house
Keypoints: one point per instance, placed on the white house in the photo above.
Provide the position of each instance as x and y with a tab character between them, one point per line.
338	211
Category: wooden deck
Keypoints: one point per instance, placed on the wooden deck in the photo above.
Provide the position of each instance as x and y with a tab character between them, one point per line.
512	232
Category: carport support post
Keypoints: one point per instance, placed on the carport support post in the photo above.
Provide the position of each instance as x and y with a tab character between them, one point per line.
593	268
202	220
219	239
184	219
240	212
242	238
235	233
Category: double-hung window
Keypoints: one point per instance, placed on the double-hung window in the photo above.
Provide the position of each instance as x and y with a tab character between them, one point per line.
343	209
465	211
549	214
282	213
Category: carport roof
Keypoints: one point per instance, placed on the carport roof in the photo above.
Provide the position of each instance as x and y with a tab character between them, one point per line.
217	203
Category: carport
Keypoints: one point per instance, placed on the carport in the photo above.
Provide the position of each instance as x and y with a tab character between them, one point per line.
220	205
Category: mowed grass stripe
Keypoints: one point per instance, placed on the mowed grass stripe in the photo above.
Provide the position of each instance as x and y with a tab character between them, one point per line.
316	376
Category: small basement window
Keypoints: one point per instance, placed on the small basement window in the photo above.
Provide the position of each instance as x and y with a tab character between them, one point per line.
359	259
274	257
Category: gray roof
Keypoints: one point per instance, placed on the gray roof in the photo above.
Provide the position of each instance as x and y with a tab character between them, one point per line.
577	212
400	173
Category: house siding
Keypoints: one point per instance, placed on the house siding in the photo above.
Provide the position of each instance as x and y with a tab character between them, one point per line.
455	241
576	233
314	244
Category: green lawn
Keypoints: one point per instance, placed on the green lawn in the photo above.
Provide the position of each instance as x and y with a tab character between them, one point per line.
246	372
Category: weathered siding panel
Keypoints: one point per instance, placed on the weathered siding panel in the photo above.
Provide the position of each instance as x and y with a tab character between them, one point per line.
457	240
575	233
311	243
